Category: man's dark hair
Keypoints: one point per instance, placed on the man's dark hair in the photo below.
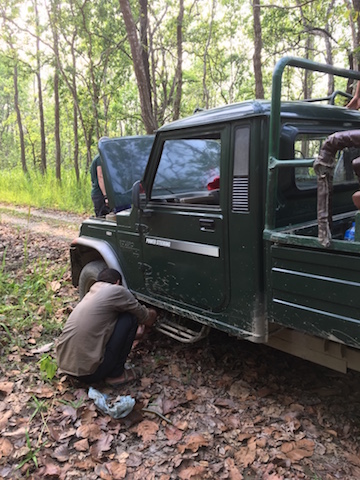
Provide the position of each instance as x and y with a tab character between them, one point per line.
109	275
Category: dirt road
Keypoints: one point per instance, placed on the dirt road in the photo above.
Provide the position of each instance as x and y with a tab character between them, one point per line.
48	222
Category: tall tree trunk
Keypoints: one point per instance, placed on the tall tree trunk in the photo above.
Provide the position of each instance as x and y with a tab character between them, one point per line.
328	49
56	91
308	74
139	67
356	5
72	88
40	96
178	73
350	82
311	31
351	59
57	126
206	97
93	82
144	41
259	87
19	120
75	112
154	95
329	61
106	102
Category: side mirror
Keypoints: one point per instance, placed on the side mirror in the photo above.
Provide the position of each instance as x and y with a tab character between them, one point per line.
138	195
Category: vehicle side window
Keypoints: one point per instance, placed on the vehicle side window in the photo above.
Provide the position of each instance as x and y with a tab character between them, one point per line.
240	194
308	146
189	171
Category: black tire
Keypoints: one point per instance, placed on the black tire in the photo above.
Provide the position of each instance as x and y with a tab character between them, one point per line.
88	276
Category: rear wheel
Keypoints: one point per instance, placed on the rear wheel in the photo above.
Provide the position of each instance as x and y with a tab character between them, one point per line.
88	276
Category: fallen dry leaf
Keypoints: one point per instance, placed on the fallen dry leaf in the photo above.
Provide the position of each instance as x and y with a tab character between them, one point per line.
175	370
239	390
6	387
6	447
296	451
36	331
51	471
102	445
190	395
192	473
69	411
147	430
117	470
81	445
168	405
45	348
21	452
173	434
244	436
102	472
354	459
146	382
89	414
86	464
183	425
43	391
18	433
245	456
193	442
234	473
92	432
4	419
61	453
55	286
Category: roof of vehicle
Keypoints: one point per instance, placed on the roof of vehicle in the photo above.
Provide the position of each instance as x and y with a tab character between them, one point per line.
298	109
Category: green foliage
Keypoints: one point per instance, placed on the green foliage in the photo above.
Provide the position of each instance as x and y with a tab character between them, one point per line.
97	78
29	300
7	331
39	406
31	455
45	191
48	366
73	403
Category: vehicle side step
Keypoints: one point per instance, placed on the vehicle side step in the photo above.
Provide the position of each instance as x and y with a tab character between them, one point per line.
181	332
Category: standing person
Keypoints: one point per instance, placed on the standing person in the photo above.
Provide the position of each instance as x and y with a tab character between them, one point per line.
98	191
99	333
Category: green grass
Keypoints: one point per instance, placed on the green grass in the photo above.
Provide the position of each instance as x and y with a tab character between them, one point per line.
45	191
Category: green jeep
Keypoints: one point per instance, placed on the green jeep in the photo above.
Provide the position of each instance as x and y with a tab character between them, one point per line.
222	231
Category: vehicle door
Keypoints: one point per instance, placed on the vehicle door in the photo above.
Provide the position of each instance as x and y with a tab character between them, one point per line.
184	223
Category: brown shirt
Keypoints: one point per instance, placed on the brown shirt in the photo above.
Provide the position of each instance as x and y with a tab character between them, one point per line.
81	345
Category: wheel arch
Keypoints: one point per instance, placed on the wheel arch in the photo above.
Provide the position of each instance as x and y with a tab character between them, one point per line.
86	249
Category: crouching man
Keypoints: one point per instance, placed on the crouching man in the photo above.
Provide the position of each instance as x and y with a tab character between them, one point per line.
99	333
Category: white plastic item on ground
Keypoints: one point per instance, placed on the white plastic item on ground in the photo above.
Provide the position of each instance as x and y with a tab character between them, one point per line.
120	409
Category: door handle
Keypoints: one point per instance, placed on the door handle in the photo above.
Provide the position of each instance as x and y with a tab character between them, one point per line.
207	224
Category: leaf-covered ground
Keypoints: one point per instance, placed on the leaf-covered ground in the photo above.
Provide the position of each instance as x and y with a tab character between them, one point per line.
220	409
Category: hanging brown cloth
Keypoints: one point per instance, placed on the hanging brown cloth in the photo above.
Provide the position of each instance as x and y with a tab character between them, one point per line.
324	168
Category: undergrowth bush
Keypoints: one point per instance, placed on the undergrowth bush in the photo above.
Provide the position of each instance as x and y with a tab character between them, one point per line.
29	300
45	191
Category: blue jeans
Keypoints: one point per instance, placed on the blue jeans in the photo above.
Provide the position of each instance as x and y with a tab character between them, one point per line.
116	351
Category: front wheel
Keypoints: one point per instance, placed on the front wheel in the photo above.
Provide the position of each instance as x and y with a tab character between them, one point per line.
89	275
